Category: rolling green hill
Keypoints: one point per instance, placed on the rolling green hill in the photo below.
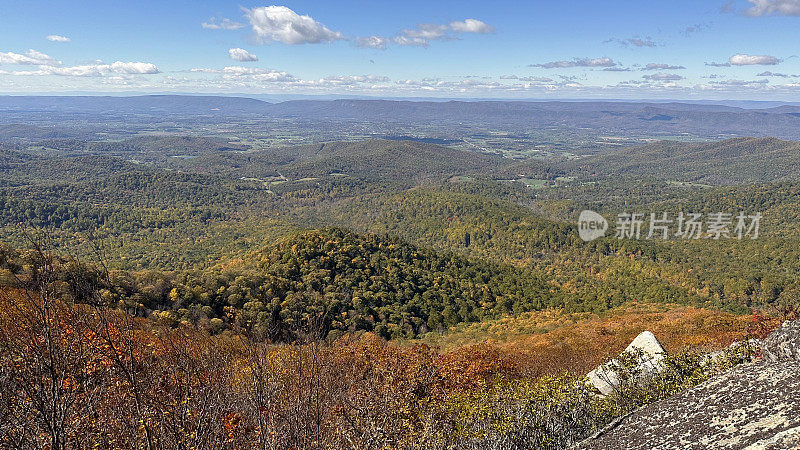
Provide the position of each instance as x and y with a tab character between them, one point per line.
386	160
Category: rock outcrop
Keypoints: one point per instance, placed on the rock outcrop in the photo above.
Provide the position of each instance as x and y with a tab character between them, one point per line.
783	344
606	380
752	406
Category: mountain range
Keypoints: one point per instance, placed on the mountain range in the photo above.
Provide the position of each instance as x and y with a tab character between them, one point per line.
631	118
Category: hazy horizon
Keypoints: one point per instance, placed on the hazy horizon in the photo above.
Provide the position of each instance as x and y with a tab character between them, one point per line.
277	98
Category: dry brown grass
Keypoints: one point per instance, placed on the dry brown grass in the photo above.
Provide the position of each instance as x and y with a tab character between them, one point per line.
553	341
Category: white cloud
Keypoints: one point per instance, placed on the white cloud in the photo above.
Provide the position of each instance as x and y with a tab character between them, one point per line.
431	31
471	26
224	24
240	54
658	66
740	83
424	33
238	76
773	7
635	41
482	85
406	41
249	73
578	62
95	70
772	74
528	79
378	42
133	68
366	84
239	70
31	58
427	31
663	77
281	24
747	60
752	60
57	38
346	80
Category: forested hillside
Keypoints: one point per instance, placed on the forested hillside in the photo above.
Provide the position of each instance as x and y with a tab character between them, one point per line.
735	161
190	213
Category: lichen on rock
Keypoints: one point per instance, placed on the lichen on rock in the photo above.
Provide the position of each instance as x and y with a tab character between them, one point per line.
783	344
752	406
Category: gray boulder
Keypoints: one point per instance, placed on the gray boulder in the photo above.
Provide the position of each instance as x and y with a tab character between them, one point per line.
606	380
783	344
753	406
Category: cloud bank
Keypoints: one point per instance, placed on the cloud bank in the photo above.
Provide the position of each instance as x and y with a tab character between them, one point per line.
95	70
30	58
578	62
424	33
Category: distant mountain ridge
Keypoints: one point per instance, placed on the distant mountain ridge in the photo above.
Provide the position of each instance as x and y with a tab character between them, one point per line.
604	117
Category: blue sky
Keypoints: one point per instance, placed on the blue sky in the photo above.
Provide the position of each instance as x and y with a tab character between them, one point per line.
702	49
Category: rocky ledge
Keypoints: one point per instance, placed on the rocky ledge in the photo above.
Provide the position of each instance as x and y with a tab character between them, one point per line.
783	344
753	406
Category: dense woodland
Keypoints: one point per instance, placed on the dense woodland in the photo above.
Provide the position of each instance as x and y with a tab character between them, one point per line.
194	215
329	281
